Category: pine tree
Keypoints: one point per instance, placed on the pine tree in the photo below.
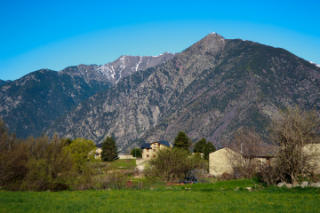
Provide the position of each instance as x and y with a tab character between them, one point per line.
208	149
202	146
136	152
182	141
109	150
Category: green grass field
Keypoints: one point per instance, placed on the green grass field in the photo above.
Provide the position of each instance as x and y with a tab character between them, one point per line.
115	165
122	164
227	196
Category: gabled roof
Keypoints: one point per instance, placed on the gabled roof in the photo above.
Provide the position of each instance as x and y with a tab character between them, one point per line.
262	151
146	146
165	143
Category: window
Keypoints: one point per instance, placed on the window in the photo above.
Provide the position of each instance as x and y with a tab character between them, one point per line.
147	156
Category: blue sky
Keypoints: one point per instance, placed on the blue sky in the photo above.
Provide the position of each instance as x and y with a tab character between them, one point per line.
56	34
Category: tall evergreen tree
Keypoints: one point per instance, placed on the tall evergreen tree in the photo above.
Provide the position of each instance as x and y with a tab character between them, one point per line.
208	149
202	146
109	150
182	141
136	152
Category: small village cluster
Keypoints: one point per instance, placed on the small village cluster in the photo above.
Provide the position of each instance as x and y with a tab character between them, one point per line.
221	161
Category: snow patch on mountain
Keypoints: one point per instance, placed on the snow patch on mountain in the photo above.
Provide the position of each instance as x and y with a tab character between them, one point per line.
126	65
116	70
138	64
318	65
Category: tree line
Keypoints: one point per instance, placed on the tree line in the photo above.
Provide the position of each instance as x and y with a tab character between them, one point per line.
45	163
182	141
57	163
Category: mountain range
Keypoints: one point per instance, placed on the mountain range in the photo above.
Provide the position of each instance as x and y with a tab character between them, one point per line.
30	104
2	82
210	89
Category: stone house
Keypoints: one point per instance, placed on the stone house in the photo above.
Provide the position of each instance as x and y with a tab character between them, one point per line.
225	160
149	150
312	151
222	161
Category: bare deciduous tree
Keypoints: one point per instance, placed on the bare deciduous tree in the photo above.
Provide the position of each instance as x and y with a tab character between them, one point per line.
291	131
250	145
247	142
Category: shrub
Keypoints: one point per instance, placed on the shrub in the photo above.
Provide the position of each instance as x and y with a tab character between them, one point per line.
13	165
174	164
80	150
136	152
226	176
112	180
84	180
43	163
268	175
50	166
13	159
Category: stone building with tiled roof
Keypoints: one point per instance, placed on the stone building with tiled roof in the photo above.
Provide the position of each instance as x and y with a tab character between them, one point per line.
149	150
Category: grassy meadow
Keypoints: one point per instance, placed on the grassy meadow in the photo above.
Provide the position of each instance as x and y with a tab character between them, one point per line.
223	196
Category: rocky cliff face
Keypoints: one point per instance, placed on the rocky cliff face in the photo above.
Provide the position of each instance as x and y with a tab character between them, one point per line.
118	69
126	65
30	104
208	90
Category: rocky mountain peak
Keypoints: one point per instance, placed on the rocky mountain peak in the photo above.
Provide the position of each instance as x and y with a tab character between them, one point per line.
42	96
214	34
114	71
126	65
209	90
210	44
